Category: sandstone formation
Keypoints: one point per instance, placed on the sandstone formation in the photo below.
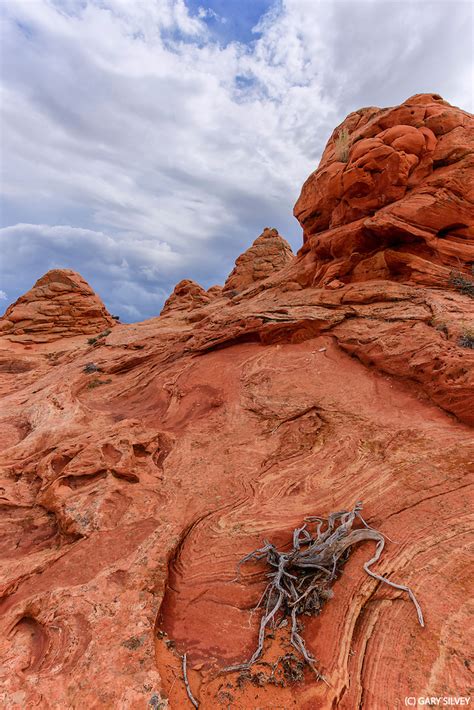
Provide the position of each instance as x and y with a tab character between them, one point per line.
135	475
393	196
187	295
60	305
267	255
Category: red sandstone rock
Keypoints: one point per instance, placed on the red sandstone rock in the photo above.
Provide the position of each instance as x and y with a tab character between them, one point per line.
60	305
129	493
214	291
392	196
268	254
187	296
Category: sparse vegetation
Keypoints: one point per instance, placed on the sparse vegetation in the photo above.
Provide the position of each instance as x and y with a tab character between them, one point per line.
133	642
466	339
90	367
287	670
96	383
342	144
462	283
157	703
101	336
439	325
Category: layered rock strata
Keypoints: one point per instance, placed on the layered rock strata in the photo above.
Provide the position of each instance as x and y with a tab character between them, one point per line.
269	253
60	305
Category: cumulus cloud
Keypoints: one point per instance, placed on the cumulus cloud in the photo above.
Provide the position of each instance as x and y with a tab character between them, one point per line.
209	13
136	269
141	145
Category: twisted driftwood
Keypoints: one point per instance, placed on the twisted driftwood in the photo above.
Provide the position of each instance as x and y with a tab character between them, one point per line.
301	579
193	700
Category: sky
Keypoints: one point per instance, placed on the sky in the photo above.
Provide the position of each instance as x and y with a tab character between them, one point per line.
147	141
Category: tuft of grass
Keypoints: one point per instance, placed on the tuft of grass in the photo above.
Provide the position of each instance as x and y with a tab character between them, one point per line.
90	367
96	383
342	144
94	341
466	339
462	283
439	325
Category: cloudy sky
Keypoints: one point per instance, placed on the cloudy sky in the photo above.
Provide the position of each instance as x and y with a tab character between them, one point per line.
146	141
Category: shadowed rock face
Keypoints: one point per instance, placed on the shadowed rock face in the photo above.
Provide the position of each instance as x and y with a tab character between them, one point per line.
60	305
138	470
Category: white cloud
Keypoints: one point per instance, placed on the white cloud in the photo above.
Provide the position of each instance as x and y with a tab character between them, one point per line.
208	13
134	267
166	149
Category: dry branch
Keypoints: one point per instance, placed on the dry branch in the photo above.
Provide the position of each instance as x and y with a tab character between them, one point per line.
301	578
186	682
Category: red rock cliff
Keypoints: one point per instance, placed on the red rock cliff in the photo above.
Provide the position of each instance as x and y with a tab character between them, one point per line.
137	471
393	195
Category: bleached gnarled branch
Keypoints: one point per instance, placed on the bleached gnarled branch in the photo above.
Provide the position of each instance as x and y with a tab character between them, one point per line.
301	578
186	682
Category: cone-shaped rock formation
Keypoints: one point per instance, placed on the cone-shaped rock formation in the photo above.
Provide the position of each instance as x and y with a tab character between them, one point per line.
269	253
187	296
61	304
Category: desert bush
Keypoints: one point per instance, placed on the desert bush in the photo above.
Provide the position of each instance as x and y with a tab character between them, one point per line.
300	578
462	283
95	340
466	339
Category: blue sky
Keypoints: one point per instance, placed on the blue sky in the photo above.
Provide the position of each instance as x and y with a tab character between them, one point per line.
233	20
147	141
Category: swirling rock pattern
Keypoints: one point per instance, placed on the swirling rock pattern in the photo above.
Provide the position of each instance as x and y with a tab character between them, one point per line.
129	490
